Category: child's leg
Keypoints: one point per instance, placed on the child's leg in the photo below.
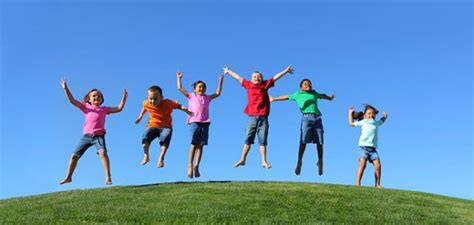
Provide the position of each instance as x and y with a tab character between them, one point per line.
300	158
320	159
192	150
378	173
146	156
245	152
360	171
70	169
263	153
199	150
161	159
106	164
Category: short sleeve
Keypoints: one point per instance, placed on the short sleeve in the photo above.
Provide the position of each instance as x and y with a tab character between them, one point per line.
174	104
83	106
293	96
269	83
358	123
245	84
317	95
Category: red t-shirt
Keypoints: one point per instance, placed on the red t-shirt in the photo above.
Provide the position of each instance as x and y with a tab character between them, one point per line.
258	99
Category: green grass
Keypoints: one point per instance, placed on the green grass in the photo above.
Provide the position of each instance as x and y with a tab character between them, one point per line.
237	203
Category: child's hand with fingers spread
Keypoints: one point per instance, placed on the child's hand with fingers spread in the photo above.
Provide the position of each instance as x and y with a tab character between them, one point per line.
179	74
63	83
351	109
385	114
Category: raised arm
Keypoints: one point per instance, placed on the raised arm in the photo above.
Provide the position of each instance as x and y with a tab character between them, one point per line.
287	70
384	117
179	75
69	95
327	97
232	73
351	120
280	98
219	87
121	104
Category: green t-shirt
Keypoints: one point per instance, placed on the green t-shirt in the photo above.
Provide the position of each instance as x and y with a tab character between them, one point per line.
307	101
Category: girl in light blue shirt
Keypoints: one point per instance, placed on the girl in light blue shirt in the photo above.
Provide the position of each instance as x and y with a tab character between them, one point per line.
368	140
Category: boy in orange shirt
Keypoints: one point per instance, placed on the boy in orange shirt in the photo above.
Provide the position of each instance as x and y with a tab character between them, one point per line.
159	122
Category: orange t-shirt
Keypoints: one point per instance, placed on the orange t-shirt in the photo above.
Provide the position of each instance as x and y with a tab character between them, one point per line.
160	115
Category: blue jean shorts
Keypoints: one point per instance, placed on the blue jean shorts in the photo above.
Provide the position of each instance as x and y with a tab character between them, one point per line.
369	153
257	125
199	133
164	134
98	141
311	129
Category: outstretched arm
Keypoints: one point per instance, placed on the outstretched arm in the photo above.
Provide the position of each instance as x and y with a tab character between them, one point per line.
327	97
121	104
186	110
142	113
384	117
287	70
179	75
219	87
232	73
71	99
280	98
351	119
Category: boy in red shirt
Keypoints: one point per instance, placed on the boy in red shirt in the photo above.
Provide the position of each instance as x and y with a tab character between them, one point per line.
258	109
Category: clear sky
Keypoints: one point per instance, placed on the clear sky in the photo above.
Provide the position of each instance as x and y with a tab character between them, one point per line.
412	59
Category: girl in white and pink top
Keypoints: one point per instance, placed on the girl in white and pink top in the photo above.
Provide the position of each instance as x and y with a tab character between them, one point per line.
199	121
94	128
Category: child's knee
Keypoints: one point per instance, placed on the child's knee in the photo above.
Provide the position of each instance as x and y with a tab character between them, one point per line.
102	153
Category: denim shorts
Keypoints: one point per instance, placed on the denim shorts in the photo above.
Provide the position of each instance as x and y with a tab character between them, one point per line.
164	134
311	129
199	133
98	141
257	125
369	153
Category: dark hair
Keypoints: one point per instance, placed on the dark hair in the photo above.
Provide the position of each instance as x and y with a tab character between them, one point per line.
86	97
256	71
195	84
360	115
155	88
301	83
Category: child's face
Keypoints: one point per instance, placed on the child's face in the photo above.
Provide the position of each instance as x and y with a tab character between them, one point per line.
200	89
257	78
306	86
369	114
95	98
154	98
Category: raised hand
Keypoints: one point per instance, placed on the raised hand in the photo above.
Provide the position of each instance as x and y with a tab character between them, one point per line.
179	74
63	83
331	97
289	69
351	109
385	114
226	69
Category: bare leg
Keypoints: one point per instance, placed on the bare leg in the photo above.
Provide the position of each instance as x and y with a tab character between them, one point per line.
192	149
360	171
263	153
320	159
70	169
199	150
146	156
106	164
378	173
245	151
161	159
301	150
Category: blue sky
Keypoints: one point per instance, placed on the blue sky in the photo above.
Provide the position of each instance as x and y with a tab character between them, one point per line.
411	59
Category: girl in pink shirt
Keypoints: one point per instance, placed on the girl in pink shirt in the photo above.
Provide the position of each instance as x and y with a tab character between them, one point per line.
94	129
199	121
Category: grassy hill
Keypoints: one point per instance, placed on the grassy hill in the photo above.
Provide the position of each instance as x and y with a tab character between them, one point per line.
237	202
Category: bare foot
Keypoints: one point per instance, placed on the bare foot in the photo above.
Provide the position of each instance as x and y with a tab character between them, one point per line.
196	171
298	170
378	186
66	180
320	168
190	172
108	181
239	163
145	160
266	165
161	164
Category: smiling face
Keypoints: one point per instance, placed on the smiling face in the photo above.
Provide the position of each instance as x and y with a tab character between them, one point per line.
94	97
154	97
257	78
200	88
306	85
369	114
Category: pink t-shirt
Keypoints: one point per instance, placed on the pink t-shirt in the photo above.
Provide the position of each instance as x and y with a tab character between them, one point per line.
199	105
95	118
257	96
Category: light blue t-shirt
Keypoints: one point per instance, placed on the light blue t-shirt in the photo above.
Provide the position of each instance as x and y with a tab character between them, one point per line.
368	136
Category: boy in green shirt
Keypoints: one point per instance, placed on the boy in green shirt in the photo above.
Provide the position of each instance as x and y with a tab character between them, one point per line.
311	123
